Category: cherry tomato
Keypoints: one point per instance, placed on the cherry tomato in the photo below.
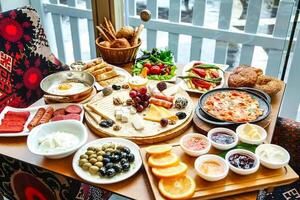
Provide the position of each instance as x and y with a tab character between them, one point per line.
161	65
155	69
148	65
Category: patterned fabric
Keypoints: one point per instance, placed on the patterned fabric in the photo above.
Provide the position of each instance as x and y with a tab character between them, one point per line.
22	181
25	57
287	135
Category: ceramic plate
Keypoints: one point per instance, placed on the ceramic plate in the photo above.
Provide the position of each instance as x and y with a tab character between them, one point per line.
183	84
119	177
32	111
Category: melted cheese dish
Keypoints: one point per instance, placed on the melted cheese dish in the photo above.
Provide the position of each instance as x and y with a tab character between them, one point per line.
233	106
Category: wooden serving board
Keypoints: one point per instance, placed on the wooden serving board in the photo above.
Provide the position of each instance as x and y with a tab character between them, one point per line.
230	185
146	140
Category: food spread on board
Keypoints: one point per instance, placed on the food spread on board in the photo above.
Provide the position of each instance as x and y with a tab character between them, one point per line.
145	106
156	65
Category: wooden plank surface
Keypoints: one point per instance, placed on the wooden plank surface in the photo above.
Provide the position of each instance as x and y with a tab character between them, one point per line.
16	148
230	185
197	20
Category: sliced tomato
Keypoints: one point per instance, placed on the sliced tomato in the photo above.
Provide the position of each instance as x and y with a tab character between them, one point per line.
155	70
148	65
214	74
200	72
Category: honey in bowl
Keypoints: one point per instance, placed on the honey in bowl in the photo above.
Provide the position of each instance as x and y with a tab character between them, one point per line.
211	168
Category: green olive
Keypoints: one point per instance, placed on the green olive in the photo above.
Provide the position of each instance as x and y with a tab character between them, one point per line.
100	153
93	160
82	161
105	146
98	149
93	169
120	147
99	164
99	158
93	156
86	166
91	148
112	145
89	152
84	156
109	150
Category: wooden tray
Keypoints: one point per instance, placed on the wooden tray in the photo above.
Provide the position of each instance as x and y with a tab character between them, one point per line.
231	185
146	140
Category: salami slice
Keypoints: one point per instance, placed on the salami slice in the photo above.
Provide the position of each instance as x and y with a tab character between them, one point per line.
60	111
58	118
23	115
73	116
73	109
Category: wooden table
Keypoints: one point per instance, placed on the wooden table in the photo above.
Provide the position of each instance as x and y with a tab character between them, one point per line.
133	188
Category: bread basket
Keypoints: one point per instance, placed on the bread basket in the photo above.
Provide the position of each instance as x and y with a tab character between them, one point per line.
118	56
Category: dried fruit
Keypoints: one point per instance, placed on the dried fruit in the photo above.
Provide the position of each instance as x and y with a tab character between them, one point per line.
107	91
117	127
181	103
164	122
116	87
117	101
181	115
161	86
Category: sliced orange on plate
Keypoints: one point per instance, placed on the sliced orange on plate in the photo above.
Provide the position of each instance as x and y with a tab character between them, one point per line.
163	160
181	187
159	149
172	171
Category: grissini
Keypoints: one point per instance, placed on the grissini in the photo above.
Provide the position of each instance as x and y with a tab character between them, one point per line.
136	36
103	34
112	27
108	32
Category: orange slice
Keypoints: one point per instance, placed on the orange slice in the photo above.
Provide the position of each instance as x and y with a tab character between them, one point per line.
182	187
159	149
163	160
172	171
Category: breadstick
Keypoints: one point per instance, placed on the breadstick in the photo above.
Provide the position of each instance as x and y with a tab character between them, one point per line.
107	26
105	37
136	36
108	32
112	27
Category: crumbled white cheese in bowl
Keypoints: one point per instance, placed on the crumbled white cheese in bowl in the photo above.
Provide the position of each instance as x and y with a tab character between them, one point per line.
58	139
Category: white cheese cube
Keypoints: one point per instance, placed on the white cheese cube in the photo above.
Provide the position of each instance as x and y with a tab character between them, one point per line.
125	117
138	122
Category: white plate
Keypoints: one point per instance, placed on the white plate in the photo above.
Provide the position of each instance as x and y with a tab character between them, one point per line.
32	111
183	84
119	177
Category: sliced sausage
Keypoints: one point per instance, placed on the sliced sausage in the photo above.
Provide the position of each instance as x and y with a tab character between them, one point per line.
47	115
73	109
36	119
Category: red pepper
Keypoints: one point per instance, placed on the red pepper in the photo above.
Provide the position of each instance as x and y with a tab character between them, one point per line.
201	83
200	72
148	65
197	63
214	74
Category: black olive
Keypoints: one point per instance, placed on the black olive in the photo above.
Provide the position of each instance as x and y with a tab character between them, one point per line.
130	157
117	167
126	150
104	124
105	161
102	171
110	122
181	115
107	155
115	158
110	172
109	165
117	152
123	160
116	87
125	166
123	155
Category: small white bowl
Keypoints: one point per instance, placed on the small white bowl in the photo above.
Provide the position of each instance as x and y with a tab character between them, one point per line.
215	158
239	170
222	146
260	129
193	152
69	126
269	164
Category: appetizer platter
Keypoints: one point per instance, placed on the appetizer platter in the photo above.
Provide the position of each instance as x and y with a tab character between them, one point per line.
156	65
20	121
140	112
200	77
107	160
215	173
105	74
234	105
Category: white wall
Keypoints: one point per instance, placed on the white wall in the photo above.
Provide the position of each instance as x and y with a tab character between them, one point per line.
11	4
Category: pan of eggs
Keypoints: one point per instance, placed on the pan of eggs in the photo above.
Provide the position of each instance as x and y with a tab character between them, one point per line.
71	84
